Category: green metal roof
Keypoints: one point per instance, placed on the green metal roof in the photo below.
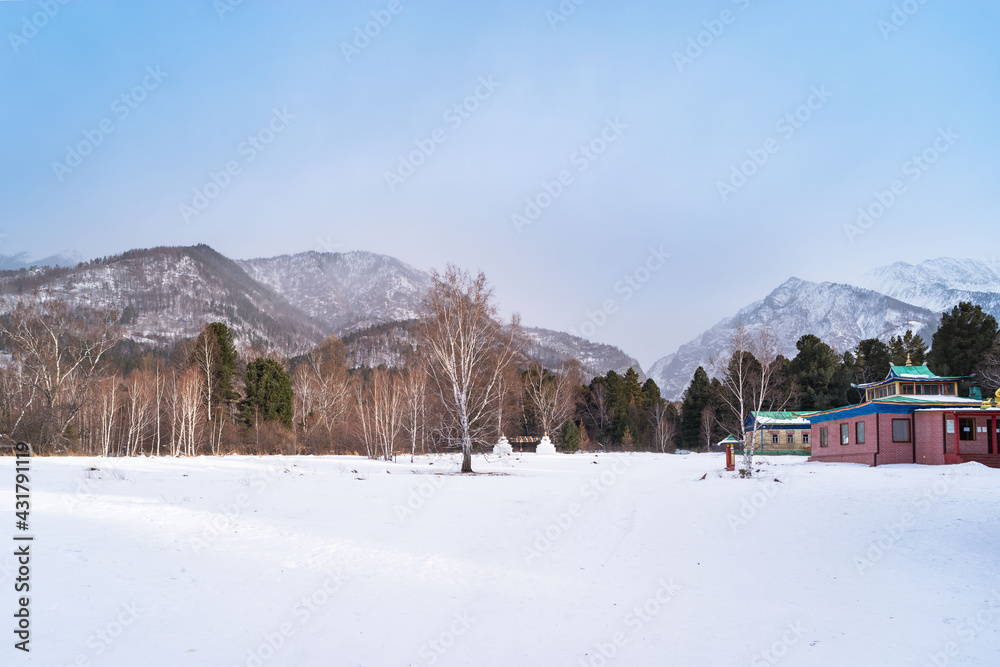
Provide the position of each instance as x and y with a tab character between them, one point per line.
913	371
928	400
908	373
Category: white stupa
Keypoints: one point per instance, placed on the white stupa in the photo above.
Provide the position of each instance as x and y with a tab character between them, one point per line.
502	448
546	446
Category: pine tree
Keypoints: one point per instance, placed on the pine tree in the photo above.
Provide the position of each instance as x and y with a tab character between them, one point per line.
962	341
569	438
696	398
215	354
873	358
819	374
269	394
908	347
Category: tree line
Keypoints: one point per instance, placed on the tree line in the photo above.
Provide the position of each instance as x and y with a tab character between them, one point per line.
70	383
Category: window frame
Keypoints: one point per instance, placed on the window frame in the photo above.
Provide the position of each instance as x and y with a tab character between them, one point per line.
824	436
859	432
908	430
845	434
972	430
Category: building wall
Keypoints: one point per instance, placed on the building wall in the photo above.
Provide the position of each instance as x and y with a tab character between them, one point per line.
783	445
889	451
978	446
851	452
931	437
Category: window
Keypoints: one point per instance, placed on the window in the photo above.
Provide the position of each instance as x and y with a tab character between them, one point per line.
906	387
966	428
859	432
900	430
774	438
948	389
845	434
823	437
790	439
805	438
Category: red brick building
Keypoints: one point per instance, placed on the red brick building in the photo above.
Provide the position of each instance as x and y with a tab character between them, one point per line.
913	416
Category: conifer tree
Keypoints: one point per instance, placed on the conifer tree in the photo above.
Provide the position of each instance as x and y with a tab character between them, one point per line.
269	394
962	341
569	437
696	398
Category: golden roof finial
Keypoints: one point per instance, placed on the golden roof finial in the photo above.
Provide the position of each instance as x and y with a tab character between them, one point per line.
908	362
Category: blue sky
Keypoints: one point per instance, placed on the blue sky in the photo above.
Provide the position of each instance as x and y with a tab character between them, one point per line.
663	133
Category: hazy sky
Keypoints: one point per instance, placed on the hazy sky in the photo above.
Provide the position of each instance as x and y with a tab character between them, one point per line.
309	115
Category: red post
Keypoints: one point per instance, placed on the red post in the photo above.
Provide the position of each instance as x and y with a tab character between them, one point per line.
730	458
955	417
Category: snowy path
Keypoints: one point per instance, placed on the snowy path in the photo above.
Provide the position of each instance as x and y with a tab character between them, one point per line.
551	561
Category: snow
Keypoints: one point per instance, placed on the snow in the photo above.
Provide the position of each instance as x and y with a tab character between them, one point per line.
772	421
835	564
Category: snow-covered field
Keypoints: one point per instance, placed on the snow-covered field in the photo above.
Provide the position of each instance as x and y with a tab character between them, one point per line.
549	560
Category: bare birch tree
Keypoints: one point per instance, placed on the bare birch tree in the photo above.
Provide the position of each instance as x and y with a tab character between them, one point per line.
59	354
468	353
552	395
752	382
415	404
664	428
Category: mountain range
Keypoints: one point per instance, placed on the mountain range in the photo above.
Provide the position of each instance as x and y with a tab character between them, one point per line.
287	303
884	302
291	302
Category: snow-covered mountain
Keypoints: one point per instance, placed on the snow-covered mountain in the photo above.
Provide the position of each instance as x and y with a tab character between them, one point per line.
166	294
23	260
939	284
841	315
286	303
551	348
346	291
